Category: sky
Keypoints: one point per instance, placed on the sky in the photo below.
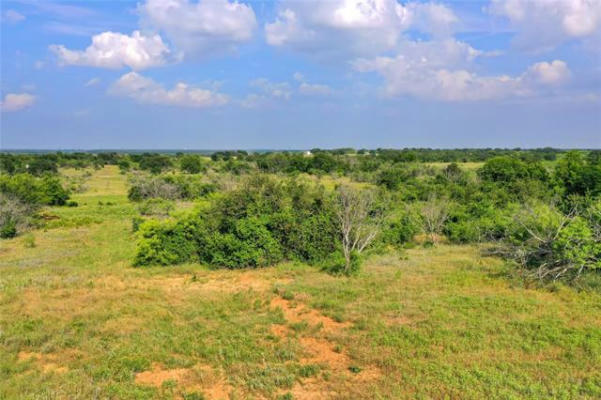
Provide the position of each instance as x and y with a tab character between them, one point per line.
221	74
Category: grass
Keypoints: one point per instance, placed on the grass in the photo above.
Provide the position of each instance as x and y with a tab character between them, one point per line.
78	322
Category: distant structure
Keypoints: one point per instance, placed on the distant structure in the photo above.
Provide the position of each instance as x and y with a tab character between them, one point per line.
307	153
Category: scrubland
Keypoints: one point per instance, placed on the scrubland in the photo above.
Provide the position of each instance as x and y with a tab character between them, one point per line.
78	321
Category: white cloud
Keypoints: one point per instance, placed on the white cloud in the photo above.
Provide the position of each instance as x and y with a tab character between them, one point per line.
39	64
280	90
92	82
203	26
359	27
553	73
145	90
542	25
13	16
116	50
440	71
433	18
17	101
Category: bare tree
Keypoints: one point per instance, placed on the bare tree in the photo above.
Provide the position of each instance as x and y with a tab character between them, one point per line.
435	213
359	221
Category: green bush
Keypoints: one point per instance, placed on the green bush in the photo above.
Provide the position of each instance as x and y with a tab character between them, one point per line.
46	190
248	244
8	229
191	164
400	229
261	223
164	243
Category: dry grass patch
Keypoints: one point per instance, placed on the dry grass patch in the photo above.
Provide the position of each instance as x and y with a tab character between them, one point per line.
199	379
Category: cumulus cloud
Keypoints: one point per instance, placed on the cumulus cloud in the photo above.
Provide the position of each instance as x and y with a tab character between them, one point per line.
359	27
545	73
116	50
146	90
13	16
203	26
17	101
430	79
542	25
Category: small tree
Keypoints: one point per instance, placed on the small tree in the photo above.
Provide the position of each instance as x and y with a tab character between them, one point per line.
434	215
359	221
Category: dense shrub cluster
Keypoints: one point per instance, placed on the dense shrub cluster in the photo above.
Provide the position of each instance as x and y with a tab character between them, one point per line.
270	219
46	190
21	195
170	187
262	222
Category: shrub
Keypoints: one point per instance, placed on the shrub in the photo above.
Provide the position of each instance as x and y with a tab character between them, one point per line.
34	191
260	223
155	163
164	243
14	216
400	228
550	245
191	164
170	187
8	229
249	244
142	188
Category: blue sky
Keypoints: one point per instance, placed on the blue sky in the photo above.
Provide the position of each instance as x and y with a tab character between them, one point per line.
215	74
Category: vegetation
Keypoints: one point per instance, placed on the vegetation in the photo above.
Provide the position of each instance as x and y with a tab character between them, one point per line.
457	273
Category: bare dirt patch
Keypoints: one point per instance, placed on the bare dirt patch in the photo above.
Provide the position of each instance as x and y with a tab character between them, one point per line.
321	351
200	378
157	376
297	312
48	363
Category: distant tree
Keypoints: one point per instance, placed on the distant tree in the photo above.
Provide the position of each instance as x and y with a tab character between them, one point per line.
191	164
155	163
42	164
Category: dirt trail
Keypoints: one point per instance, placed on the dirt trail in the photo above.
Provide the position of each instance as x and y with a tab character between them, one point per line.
321	351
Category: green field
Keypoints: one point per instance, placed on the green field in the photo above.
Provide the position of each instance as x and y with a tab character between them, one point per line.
77	321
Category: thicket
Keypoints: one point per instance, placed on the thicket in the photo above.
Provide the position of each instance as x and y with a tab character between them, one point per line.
169	187
21	195
262	222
